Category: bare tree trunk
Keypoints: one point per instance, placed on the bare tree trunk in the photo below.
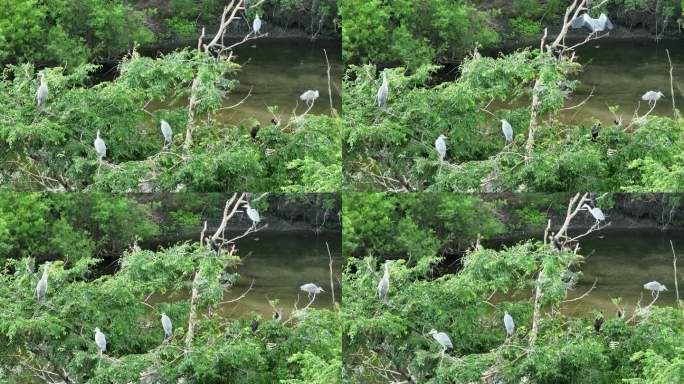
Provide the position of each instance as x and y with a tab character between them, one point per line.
192	317
536	314
532	129
191	117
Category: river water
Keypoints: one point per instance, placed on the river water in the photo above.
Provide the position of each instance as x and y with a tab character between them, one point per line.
621	262
620	72
274	73
279	263
278	71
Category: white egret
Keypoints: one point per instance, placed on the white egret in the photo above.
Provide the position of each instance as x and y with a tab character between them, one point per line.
256	25
383	286
166	324
311	289
594	25
253	214
167	132
309	97
509	324
440	145
507	130
596	212
101	341
655	287
100	147
442	338
652	97
41	287
383	91
42	93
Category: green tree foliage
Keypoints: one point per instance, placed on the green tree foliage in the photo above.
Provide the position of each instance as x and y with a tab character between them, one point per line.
301	155
389	340
412	32
69	226
415	225
57	336
72	32
66	32
394	149
54	339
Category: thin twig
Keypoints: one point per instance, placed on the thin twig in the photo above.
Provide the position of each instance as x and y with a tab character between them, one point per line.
674	264
674	107
583	101
239	297
240	102
330	265
584	295
328	72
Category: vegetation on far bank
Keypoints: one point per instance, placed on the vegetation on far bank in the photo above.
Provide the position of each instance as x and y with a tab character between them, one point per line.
411	33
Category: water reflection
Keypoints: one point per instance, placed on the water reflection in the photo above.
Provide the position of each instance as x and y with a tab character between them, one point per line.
278	72
620	72
278	264
622	261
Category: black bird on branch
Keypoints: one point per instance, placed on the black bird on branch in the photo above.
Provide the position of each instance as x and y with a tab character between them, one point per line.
598	323
255	130
595	132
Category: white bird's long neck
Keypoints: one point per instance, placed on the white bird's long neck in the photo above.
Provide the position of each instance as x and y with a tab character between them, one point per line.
45	273
386	271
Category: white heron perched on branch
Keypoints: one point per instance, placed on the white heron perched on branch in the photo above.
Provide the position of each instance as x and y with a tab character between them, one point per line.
166	324
42	93
442	338
594	25
100	341
596	212
100	147
509	324
383	286
253	214
41	287
256	25
383	91
309	97
507	130
655	287
652	97
167	132
440	145
311	289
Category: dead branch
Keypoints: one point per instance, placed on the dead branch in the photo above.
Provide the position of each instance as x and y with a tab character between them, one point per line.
583	101
674	107
593	286
224	53
229	211
249	93
330	265
674	265
239	297
328	73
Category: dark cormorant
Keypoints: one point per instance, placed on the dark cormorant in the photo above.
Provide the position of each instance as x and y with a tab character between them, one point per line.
598	323
255	130
595	132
